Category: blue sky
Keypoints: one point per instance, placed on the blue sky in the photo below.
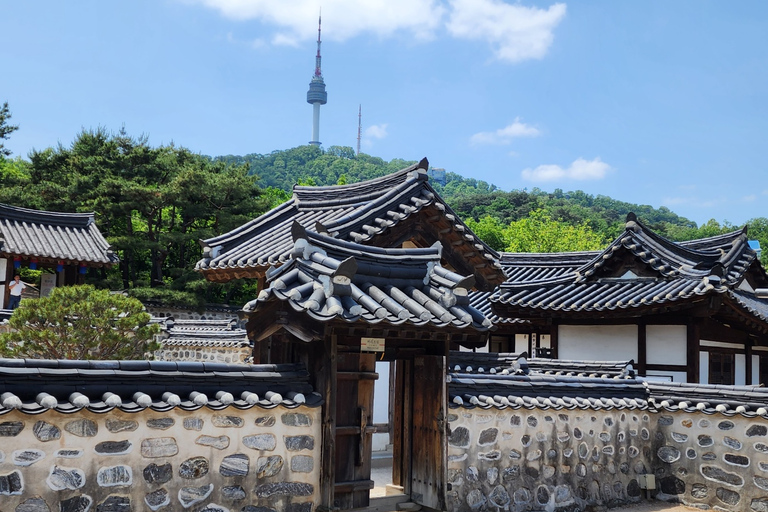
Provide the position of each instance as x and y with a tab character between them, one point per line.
660	103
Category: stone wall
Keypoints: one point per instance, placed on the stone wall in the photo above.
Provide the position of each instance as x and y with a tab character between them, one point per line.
233	355
519	459
251	460
712	460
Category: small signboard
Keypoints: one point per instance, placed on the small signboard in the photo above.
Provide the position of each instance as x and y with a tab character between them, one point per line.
47	284
372	344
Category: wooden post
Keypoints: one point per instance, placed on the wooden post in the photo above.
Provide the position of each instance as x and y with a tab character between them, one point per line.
692	352
642	351
325	382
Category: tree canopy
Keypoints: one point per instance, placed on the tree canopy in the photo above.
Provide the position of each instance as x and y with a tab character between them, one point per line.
5	129
80	322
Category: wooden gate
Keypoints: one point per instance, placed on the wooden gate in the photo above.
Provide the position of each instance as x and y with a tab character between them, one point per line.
429	451
355	376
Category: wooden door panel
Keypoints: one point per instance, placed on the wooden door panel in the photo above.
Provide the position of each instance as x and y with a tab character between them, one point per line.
428	438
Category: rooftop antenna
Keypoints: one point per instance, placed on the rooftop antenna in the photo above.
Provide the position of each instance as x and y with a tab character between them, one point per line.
316	95
359	127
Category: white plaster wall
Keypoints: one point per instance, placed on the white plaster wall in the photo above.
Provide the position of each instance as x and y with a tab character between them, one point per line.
597	342
703	367
381	405
740	378
666	344
666	376
755	370
521	343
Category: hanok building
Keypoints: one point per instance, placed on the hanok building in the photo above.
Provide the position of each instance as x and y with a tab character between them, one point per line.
687	312
384	270
68	243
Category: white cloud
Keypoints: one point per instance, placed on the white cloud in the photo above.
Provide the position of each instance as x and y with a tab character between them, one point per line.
514	32
376	131
579	170
504	136
296	20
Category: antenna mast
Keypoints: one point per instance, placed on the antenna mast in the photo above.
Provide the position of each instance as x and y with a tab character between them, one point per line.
359	127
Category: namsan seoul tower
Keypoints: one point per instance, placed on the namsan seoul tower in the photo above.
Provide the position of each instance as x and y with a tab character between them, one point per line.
316	94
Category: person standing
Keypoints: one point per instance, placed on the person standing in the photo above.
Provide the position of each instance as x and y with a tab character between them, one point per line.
16	287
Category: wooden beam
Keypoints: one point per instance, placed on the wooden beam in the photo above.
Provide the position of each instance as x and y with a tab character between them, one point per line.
642	348
692	351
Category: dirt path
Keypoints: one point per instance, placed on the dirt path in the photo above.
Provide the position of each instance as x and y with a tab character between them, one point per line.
654	506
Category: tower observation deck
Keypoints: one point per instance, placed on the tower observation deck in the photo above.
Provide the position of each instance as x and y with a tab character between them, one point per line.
316	94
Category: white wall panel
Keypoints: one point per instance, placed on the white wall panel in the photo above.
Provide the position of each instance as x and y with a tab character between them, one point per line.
740	378
703	367
597	342
666	344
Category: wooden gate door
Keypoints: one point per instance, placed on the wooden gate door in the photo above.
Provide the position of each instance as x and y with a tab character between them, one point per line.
428	442
355	376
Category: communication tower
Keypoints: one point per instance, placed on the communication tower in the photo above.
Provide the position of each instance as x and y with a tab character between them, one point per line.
316	95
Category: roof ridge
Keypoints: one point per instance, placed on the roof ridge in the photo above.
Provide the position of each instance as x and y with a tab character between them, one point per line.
29	215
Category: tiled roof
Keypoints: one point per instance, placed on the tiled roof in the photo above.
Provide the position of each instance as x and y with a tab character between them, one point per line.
544	391
510	380
204	333
665	273
330	279
359	213
709	399
71	237
513	363
35	386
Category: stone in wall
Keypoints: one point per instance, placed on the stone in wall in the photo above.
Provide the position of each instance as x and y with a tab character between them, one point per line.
302	464
220	442
757	430
157	499
233	492
213	507
160	423
114	447
268	466
68	453
11	483
115	425
114	476
227	421
296	419
77	504
719	475
284	489
727	496
27	457
45	431
265	421
61	478
193	423
254	508
35	504
189	496
234	465
11	428
266	442
115	504
82	427
159	447
155	474
196	467
297	443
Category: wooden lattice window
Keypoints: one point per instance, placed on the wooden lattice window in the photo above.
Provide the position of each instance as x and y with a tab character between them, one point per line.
722	368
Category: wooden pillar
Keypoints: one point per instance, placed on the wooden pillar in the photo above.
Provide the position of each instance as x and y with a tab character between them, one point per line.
325	383
642	351
553	341
692	352
748	355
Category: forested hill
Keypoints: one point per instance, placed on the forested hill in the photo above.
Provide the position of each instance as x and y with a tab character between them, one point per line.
472	199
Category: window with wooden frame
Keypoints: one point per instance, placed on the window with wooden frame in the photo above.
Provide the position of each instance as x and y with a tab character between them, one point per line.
722	368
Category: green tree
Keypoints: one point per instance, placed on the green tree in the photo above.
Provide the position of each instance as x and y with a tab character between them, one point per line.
80	322
540	233
491	231
5	129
